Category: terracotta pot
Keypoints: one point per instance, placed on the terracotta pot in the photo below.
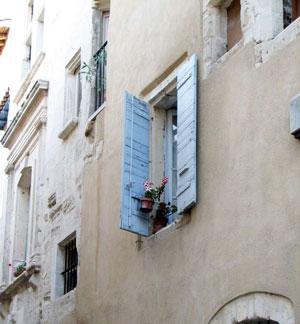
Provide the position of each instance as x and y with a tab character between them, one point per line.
159	222
146	204
17	273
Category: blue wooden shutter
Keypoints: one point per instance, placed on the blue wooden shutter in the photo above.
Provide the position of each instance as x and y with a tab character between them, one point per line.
187	134
135	164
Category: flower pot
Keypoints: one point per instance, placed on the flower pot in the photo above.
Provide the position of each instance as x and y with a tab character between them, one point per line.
18	272
146	204
159	222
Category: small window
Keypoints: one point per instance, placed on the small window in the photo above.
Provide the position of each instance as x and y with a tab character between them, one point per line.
28	55
291	11
30	10
70	271
66	266
105	24
72	89
101	62
234	29
40	32
23	211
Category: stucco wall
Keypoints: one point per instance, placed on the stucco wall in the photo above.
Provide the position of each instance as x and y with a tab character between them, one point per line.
244	232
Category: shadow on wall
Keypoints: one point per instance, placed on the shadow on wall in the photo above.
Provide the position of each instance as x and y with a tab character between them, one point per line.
257	305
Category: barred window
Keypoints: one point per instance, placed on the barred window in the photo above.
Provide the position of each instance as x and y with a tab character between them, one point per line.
70	270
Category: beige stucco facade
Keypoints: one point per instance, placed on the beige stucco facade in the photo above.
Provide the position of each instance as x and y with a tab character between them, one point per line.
243	234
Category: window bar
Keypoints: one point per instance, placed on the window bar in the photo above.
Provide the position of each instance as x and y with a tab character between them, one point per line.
71	262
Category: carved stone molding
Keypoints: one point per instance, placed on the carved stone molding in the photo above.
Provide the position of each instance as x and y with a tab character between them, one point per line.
29	106
18	283
25	84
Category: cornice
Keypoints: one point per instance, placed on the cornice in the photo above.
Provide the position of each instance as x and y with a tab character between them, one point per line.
29	119
26	82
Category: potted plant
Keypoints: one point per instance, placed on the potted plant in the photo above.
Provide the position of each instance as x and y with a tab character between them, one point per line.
152	194
163	211
19	268
148	200
162	214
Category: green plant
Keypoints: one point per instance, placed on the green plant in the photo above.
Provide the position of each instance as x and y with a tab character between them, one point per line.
155	193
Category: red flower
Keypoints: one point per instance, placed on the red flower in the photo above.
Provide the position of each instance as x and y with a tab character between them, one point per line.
164	180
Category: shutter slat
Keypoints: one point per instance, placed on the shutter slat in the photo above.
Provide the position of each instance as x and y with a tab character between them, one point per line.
187	135
135	164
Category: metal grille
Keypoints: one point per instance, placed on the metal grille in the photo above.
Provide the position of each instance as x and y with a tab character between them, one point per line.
101	64
71	262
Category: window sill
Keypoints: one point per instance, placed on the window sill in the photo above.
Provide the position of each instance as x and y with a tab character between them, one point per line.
12	289
221	60
167	231
68	129
265	50
91	120
66	298
29	76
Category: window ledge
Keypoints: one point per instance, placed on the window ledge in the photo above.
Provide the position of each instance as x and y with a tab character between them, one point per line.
221	60
265	50
68	129
91	120
12	289
66	298
28	78
168	230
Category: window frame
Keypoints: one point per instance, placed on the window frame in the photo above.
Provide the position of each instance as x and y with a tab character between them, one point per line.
60	265
72	102
71	264
169	156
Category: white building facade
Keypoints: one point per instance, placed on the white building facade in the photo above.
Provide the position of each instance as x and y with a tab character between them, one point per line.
43	151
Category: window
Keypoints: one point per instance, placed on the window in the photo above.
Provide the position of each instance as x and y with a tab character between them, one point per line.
101	62
71	261
164	151
291	11
28	54
22	216
234	29
40	33
67	263
160	139
72	89
222	29
30	11
171	154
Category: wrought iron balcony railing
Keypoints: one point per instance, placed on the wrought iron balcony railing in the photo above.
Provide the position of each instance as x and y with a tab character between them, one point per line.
101	70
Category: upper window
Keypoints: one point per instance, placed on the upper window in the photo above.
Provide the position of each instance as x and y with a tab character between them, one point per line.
234	29
30	11
101	62
72	89
28	55
22	218
291	11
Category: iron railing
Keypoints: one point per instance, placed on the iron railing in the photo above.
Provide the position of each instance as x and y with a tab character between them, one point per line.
101	68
